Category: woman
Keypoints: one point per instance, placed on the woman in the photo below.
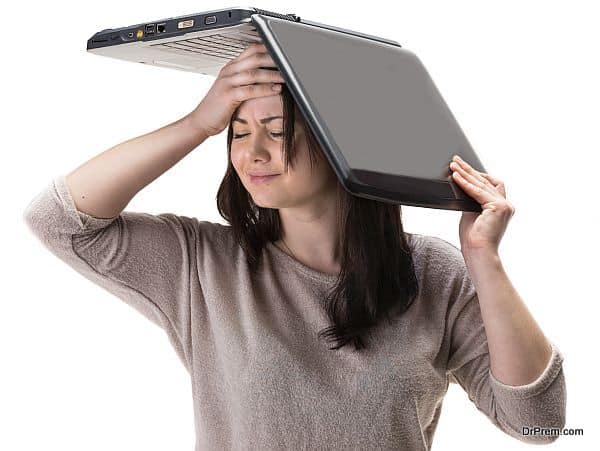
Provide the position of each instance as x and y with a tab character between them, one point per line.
250	307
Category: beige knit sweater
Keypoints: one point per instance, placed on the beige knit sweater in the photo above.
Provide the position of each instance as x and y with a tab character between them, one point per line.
260	376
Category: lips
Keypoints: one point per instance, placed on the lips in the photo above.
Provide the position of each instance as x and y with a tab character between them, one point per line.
263	178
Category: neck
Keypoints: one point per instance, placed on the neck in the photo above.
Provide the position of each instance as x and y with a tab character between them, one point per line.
311	234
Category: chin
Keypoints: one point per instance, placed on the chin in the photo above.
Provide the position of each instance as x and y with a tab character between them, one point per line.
266	203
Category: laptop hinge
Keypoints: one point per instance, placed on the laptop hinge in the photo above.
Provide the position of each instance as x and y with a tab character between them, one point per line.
291	17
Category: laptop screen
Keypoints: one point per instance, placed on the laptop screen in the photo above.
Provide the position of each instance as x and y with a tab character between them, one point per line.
376	106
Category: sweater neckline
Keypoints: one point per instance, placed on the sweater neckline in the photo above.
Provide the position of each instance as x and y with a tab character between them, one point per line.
315	274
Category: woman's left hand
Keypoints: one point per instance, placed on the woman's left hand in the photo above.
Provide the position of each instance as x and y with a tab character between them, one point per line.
481	231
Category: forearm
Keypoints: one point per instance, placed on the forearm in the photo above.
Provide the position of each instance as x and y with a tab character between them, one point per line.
103	186
519	350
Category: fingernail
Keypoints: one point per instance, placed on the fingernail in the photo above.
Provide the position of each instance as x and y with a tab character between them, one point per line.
275	87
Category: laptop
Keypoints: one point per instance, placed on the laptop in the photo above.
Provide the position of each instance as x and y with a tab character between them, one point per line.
371	104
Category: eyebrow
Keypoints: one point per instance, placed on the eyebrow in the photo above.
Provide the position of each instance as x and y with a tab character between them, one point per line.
262	121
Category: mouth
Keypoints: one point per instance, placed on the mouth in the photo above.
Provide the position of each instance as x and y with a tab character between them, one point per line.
262	178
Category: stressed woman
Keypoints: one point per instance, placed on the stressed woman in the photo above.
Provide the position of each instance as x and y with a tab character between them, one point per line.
311	320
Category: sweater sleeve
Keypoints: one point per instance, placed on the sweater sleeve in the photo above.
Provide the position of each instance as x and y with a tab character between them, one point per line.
145	260
540	403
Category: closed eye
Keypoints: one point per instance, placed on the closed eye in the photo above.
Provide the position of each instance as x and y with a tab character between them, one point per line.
278	135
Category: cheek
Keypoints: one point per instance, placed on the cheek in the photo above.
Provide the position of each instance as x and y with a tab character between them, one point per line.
235	159
304	181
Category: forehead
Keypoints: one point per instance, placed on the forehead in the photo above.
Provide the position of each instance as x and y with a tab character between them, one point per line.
260	107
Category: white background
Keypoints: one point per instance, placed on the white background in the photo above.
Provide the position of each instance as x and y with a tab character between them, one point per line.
83	371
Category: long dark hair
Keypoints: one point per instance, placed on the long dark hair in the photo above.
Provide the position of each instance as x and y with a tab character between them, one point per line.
377	274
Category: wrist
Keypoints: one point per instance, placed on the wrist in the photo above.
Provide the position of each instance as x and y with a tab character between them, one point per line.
192	123
474	259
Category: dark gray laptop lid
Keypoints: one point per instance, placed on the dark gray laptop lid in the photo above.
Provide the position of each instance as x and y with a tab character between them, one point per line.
375	111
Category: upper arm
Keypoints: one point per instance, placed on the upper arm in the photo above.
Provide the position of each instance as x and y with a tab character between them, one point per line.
148	261
541	403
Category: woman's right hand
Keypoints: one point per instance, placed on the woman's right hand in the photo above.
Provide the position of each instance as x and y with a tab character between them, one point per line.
240	79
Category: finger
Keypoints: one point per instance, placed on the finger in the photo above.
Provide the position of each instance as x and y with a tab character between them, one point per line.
250	76
249	51
488	185
498	184
252	61
491	178
252	48
258	45
242	93
481	193
470	170
463	174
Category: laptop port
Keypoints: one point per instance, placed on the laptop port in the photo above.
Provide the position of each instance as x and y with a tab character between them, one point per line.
185	24
210	20
161	28
150	28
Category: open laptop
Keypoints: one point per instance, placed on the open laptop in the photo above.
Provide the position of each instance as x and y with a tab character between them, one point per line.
371	104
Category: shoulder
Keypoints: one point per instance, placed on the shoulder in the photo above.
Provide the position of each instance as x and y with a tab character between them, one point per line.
444	280
433	248
218	237
203	233
215	232
437	261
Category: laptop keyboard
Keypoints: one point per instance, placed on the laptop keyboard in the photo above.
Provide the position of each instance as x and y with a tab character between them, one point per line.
223	46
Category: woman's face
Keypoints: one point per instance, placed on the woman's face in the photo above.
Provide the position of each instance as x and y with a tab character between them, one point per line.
258	148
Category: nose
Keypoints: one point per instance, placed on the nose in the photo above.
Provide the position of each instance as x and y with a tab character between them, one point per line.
257	147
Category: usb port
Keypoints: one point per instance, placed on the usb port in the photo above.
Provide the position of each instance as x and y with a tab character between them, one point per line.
210	20
161	28
150	28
